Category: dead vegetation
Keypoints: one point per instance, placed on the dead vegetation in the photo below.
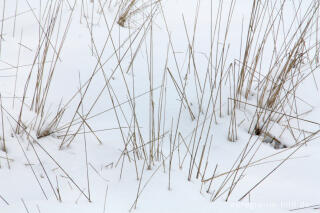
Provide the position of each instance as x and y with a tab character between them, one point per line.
206	91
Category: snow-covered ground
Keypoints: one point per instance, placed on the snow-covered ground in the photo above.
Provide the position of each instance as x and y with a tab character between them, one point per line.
151	132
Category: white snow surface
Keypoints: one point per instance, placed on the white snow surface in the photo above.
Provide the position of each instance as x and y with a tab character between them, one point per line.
113	183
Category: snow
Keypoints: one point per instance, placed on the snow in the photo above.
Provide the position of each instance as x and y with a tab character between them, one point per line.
114	180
